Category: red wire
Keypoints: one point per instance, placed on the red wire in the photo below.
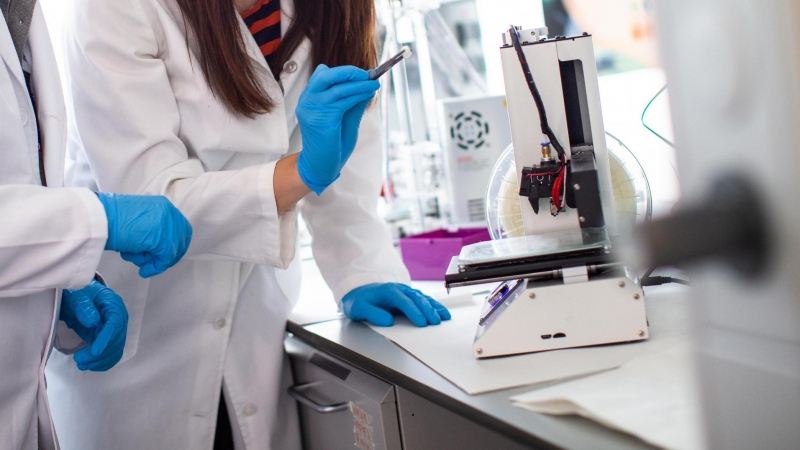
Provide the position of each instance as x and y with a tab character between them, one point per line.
555	193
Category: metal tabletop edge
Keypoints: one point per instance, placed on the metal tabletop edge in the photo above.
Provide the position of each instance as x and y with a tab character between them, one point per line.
392	376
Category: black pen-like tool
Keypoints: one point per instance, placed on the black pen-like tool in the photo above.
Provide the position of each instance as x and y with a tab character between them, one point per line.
376	73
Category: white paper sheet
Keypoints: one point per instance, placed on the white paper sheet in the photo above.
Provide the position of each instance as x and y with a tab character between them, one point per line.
653	397
447	348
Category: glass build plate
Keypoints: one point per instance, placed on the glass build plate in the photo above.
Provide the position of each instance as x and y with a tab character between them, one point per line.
531	247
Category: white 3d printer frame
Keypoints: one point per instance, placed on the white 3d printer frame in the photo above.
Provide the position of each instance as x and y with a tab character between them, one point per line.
580	305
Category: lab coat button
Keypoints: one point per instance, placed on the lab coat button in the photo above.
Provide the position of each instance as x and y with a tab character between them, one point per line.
23	116
219	323
249	409
290	66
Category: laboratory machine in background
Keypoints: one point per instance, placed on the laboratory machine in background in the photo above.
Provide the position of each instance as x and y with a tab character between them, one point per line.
474	134
562	283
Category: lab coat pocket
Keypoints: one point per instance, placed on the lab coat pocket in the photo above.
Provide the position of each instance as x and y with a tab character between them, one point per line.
123	277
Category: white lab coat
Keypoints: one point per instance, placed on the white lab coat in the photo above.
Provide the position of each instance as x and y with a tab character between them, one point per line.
48	237
146	122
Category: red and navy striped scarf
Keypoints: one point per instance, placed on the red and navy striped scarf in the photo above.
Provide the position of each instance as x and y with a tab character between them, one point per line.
264	22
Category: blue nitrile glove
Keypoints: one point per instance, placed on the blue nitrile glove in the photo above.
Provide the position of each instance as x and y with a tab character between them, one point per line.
98	315
147	230
329	113
376	303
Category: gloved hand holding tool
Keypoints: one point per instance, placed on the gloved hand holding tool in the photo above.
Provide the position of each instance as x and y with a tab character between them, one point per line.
147	230
329	113
377	302
98	315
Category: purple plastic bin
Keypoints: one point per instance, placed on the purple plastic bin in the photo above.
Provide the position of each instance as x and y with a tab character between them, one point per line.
427	255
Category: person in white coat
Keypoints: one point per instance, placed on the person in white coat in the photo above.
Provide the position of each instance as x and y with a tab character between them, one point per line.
52	238
220	129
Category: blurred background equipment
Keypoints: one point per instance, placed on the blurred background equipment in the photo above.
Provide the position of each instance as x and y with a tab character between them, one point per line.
625	30
736	109
474	132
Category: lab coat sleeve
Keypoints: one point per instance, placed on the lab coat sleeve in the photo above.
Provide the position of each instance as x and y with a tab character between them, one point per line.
125	116
49	238
352	244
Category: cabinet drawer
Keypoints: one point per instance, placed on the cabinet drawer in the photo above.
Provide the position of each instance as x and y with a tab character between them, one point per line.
341	407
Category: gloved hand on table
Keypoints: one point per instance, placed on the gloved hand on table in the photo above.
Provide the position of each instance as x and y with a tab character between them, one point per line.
98	315
147	230
329	113
377	302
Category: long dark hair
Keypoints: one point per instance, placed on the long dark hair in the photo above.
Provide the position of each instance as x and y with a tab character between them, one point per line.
341	32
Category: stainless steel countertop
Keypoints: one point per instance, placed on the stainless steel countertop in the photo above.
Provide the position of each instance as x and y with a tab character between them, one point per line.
360	346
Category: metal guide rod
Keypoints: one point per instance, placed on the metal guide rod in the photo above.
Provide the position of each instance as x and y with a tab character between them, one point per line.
553	274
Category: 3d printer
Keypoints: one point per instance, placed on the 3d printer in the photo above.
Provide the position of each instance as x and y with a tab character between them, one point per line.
562	285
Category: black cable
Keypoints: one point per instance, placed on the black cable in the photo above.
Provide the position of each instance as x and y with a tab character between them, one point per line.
537	98
658	281
649	280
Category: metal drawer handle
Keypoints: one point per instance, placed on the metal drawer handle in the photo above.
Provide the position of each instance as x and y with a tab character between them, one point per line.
295	393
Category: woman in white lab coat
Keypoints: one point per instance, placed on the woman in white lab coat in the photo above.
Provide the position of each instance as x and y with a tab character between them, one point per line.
216	321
